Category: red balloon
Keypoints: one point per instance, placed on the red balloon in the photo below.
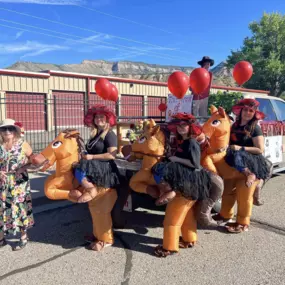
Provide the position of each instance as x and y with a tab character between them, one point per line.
178	84
114	93
200	79
242	72
103	88
162	107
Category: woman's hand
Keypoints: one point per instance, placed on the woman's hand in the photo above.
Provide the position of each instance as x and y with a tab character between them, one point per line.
173	158
235	147
87	156
20	170
3	175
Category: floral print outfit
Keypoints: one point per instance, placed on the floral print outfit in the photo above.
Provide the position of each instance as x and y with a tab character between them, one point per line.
15	196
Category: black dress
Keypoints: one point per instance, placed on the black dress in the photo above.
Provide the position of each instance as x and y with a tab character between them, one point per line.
102	173
256	163
192	182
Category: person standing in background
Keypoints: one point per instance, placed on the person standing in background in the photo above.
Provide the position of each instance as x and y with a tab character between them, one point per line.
200	101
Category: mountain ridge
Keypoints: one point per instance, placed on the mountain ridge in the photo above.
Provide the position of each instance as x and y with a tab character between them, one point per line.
125	69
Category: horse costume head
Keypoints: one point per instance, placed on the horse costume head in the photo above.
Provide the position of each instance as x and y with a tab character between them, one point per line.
152	141
65	149
218	128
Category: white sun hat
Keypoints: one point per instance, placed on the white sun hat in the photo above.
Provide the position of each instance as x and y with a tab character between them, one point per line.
12	123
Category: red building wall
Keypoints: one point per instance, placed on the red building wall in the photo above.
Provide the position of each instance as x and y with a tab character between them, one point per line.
27	108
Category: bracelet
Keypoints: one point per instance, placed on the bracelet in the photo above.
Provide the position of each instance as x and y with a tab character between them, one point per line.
242	148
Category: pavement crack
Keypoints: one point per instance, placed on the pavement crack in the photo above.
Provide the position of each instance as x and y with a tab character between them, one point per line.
129	257
269	227
32	266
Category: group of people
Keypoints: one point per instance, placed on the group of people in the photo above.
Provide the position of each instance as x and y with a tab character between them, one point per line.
97	168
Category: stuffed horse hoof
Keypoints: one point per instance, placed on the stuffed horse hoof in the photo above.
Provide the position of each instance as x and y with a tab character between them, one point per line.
75	194
88	195
152	191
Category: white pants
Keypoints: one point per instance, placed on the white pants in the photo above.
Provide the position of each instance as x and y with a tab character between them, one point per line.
200	107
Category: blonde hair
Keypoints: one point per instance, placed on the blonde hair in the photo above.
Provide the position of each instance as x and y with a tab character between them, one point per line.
94	131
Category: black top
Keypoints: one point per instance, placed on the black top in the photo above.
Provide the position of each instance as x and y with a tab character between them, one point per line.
190	149
239	136
98	145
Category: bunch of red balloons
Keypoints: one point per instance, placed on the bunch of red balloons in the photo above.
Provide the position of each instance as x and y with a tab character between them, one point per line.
178	82
200	79
106	90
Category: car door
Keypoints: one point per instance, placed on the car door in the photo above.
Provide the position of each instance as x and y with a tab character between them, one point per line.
279	107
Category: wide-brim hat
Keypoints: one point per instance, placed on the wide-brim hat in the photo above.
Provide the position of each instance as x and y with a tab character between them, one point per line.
12	123
250	103
99	109
181	118
206	59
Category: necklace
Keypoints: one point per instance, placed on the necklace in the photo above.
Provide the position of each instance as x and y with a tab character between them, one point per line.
91	143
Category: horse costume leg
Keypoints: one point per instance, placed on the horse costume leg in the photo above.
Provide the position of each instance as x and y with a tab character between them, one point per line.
53	192
189	229
175	215
100	209
244	201
228	199
143	182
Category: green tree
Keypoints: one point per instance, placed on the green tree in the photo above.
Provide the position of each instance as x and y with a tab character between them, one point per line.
224	99
265	50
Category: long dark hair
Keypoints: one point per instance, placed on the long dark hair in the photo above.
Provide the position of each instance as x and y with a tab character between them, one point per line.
248	128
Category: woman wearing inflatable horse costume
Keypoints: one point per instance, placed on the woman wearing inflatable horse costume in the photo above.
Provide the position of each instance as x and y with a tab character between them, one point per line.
181	181
97	169
245	156
96	172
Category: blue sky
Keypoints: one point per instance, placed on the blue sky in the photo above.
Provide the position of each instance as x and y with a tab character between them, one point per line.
154	31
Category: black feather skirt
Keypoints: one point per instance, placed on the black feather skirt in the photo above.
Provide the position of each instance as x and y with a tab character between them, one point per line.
101	173
256	163
192	183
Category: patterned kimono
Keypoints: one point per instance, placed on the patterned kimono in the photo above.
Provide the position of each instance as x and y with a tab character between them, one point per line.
15	196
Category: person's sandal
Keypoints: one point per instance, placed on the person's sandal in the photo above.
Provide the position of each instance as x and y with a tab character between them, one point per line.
3	242
184	244
236	228
161	252
21	244
221	220
89	238
99	245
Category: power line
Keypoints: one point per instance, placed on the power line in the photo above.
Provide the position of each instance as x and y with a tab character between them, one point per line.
83	40
124	19
83	29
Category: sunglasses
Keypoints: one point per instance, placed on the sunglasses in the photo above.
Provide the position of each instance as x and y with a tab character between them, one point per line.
9	129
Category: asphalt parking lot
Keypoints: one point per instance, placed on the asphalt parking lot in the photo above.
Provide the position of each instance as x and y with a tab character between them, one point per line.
56	253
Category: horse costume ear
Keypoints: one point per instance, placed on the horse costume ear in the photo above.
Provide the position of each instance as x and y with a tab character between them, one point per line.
222	112
155	130
152	123
213	109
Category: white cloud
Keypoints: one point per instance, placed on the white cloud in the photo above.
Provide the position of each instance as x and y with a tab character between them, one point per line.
19	34
29	48
46	2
